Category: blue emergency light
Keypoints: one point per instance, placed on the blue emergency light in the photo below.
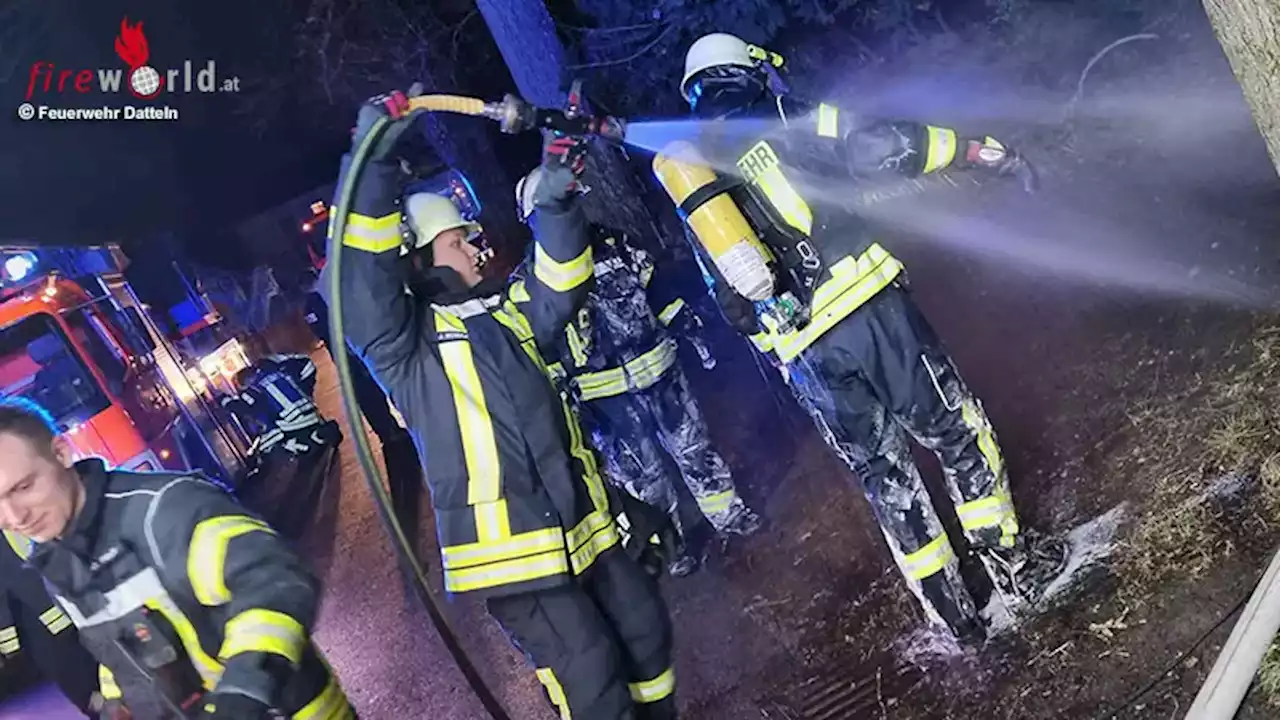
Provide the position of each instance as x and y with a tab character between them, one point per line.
17	267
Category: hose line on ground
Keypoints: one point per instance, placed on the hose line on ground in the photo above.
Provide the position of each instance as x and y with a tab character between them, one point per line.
405	551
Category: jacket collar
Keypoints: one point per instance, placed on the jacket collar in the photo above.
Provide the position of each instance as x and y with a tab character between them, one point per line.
80	536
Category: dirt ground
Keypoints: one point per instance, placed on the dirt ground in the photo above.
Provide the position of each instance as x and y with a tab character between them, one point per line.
1101	392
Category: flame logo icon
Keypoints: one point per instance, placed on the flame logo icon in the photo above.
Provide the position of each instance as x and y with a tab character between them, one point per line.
131	46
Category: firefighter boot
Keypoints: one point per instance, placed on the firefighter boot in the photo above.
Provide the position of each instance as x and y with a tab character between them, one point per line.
745	523
1026	570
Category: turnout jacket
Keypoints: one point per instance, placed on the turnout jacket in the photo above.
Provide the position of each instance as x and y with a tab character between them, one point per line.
619	340
176	590
789	172
279	400
518	498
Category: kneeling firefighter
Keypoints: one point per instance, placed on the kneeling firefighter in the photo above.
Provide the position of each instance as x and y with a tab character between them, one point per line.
619	362
829	306
194	608
523	517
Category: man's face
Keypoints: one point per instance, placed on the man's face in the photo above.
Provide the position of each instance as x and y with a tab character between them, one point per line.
451	249
39	489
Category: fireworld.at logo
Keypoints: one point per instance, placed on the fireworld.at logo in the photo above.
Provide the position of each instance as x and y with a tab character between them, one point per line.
141	80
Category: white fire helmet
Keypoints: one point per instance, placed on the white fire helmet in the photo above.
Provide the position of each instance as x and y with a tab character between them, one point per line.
425	216
714	50
525	189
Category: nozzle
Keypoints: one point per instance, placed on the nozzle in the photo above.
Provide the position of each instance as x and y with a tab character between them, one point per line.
514	115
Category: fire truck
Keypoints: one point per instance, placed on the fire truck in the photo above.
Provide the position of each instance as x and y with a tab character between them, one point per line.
88	351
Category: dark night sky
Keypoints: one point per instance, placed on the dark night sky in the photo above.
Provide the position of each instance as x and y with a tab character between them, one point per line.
91	182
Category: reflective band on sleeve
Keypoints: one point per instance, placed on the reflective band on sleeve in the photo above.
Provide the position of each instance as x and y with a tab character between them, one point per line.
929	560
670	311
107	684
717	503
210	670
651	691
941	148
555	692
263	631
562	276
9	642
577	345
55	620
370	234
828	121
207	554
475	426
330	704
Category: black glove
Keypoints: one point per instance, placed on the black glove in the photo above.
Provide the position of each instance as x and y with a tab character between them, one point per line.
232	706
648	535
393	105
563	160
990	154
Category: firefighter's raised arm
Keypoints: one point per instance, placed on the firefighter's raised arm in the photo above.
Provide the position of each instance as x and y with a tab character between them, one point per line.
562	270
381	321
872	147
207	545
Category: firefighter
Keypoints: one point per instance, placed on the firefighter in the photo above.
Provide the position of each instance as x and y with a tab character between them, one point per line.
523	517
52	644
275	400
832	311
193	607
618	360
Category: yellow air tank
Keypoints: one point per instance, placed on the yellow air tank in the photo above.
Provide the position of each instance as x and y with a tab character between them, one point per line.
716	220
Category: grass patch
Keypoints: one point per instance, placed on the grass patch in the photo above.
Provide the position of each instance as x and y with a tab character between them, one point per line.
1199	456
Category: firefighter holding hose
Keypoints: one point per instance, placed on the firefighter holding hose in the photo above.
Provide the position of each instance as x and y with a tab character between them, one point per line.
827	303
194	608
618	360
523	517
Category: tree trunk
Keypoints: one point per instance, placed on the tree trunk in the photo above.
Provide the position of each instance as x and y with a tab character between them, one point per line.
1249	31
526	36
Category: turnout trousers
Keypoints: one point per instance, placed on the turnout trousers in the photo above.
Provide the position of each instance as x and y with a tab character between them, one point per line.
634	430
882	376
601	645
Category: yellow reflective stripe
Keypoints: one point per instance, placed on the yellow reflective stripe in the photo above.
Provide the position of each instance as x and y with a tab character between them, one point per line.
207	554
853	282
508	572
9	641
210	670
519	292
828	121
556	371
534	542
372	234
762	340
555	692
993	143
670	311
475	426
55	620
978	423
605	538
492	520
590	471
562	276
785	199
107	686
941	148
263	631
330	704
21	545
928	560
577	346
717	503
651	691
637	374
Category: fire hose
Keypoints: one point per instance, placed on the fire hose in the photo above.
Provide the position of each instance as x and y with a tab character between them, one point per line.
513	115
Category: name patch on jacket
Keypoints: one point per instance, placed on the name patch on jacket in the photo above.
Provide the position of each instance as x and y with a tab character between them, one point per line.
758	160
